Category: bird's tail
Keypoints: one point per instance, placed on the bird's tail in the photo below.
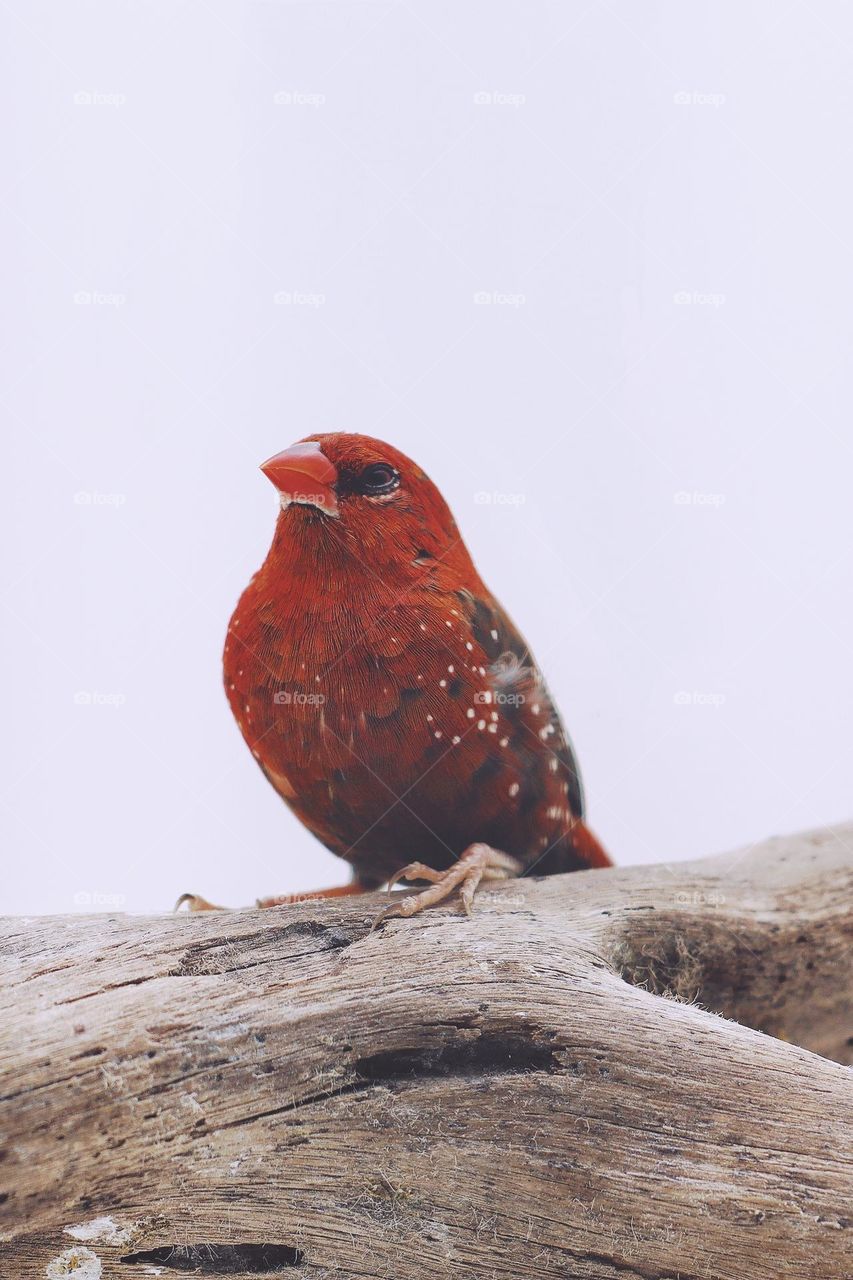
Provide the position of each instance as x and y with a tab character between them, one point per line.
587	847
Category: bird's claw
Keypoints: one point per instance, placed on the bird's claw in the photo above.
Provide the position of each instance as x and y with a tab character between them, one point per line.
478	862
415	871
194	902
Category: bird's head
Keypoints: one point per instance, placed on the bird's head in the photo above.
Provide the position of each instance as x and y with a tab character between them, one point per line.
339	488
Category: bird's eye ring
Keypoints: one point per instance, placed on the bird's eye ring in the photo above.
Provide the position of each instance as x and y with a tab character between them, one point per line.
378	478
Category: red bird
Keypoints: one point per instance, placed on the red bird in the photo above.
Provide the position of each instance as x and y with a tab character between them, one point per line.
385	693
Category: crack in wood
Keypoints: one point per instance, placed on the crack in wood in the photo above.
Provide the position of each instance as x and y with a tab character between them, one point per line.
219	1259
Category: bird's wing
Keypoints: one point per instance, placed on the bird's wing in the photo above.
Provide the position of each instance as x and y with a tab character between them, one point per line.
513	672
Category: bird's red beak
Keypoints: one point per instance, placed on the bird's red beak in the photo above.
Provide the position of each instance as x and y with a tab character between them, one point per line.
304	474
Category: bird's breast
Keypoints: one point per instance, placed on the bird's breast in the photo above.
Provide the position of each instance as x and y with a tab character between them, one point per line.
386	733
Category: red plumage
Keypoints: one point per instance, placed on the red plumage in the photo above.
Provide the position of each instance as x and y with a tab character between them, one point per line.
381	687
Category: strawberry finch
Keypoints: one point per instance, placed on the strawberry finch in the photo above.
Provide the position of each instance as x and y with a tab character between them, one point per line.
385	693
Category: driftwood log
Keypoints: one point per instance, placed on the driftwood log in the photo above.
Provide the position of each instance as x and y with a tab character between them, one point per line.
554	1088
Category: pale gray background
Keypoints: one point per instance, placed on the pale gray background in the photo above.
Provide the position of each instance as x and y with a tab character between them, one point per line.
657	199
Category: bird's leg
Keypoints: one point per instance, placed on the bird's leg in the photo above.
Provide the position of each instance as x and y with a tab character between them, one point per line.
478	862
194	902
339	891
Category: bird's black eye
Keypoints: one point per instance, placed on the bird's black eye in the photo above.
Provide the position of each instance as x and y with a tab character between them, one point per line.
378	478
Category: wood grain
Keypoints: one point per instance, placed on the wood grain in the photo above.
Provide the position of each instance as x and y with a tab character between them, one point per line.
547	1090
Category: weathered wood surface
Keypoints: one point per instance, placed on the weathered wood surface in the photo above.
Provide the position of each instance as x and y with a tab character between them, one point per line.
505	1097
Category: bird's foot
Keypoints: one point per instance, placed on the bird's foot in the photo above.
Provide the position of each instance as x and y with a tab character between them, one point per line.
478	862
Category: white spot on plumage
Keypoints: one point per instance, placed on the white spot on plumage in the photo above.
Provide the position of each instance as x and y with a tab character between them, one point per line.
455	740
504	742
514	789
468	644
450	669
493	715
470	713
535	708
493	634
554	764
442	684
493	728
438	733
481	724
